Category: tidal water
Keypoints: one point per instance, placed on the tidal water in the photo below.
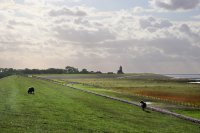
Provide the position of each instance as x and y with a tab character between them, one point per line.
195	78
185	76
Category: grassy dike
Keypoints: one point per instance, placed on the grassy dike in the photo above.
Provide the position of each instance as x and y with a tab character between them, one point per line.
56	108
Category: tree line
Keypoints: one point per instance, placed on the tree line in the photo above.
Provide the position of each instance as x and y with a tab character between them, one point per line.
68	70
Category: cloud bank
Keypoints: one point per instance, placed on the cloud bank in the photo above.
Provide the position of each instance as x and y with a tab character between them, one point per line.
176	4
43	34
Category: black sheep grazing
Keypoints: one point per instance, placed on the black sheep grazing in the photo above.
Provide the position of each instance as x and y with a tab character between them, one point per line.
31	90
143	105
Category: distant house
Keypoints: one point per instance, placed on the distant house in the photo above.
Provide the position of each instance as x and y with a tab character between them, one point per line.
92	72
120	71
98	72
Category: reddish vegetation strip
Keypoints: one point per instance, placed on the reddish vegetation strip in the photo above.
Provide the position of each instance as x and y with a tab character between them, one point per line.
193	99
179	97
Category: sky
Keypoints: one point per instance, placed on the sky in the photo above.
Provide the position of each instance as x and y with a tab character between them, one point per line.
144	36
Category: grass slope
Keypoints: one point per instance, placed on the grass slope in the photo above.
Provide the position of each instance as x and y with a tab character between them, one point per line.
55	108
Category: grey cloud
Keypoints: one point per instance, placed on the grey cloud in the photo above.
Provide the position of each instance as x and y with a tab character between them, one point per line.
153	24
85	22
67	12
14	22
176	47
6	1
143	55
81	21
144	23
184	28
159	49
176	4
16	46
83	35
163	24
97	43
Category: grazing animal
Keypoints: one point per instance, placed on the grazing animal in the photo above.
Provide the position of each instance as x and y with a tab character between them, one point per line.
31	90
143	105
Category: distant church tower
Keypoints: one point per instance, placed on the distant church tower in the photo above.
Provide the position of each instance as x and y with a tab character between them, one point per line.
120	71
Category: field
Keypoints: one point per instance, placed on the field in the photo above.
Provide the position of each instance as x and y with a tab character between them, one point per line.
55	108
163	92
162	89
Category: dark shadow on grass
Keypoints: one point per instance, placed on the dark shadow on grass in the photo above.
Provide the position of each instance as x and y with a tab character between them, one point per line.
147	111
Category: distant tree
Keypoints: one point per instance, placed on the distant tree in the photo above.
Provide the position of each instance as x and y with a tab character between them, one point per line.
26	71
10	71
70	69
7	72
84	71
54	71
110	73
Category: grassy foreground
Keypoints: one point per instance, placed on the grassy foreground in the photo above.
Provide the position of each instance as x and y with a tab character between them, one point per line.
55	108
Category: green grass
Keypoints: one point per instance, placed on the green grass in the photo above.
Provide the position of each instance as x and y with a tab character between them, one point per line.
56	108
163	93
191	113
131	97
